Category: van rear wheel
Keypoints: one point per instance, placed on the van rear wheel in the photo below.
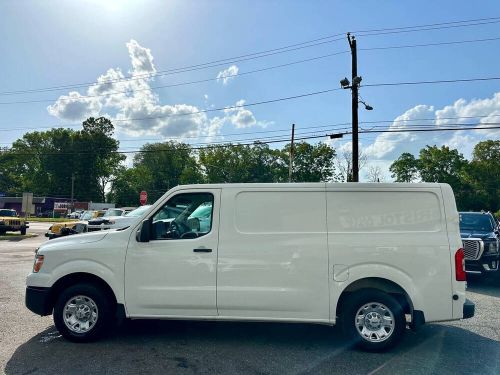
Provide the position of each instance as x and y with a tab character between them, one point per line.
83	313
373	320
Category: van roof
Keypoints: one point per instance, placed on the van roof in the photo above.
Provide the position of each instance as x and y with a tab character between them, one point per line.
353	185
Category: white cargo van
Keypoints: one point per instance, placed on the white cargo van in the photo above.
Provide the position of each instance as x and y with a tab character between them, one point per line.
371	257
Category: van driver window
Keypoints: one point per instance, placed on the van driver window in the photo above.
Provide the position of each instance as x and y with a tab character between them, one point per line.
184	216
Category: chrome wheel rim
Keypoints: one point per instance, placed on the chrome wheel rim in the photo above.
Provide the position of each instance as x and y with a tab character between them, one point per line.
80	314
374	322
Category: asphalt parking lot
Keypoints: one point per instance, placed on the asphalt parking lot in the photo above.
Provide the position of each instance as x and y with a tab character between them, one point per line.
30	344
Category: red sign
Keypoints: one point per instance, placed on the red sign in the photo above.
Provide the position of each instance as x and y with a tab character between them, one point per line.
143	197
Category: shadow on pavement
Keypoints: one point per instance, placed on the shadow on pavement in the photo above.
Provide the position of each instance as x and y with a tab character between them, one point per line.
489	285
252	348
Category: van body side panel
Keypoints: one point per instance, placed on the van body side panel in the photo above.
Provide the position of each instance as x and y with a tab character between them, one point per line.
398	234
273	256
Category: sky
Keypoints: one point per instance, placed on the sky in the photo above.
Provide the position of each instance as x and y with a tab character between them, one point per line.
155	54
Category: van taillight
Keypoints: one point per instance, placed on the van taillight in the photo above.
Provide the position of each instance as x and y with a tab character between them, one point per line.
460	265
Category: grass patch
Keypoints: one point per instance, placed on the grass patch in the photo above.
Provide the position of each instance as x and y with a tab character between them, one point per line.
49	219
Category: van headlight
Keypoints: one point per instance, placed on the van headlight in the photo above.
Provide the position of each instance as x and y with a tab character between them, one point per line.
38	262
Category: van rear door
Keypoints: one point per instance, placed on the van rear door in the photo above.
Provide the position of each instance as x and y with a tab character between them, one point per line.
394	233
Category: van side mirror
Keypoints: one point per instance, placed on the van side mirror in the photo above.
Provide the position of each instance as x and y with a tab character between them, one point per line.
144	233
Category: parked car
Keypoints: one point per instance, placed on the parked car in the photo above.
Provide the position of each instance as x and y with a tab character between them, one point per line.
67	228
118	221
75	215
45	214
364	256
105	221
481	242
10	221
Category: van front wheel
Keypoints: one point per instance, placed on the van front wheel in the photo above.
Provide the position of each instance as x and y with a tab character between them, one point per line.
82	313
373	320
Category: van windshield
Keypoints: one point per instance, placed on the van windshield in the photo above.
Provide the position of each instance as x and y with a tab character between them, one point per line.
476	222
138	211
113	212
87	215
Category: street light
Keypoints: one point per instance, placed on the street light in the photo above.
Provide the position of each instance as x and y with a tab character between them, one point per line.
345	84
368	107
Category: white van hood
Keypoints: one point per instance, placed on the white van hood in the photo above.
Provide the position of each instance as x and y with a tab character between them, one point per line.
74	240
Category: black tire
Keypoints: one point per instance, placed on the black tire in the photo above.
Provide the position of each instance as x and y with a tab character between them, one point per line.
23	231
363	298
105	312
2	232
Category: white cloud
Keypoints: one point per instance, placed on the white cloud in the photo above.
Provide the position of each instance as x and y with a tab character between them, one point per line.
135	100
74	108
489	108
386	143
387	147
141	57
228	74
241	117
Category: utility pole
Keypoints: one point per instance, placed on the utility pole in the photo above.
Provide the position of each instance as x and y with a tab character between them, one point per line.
354	86
290	166
354	105
72	191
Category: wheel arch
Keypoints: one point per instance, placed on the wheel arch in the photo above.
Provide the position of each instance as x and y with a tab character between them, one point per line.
379	283
79	278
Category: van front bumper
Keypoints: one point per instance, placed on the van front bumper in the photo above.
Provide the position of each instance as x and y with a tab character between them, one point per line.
38	300
469	309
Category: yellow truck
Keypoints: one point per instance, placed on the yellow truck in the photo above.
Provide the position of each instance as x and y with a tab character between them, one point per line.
10	221
71	227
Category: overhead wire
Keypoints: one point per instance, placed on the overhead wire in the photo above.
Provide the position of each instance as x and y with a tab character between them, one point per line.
275	100
282	140
289	48
315	58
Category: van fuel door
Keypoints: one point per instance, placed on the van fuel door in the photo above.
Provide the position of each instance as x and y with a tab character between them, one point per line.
340	272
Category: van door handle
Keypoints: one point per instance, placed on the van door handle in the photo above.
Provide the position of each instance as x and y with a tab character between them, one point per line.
202	250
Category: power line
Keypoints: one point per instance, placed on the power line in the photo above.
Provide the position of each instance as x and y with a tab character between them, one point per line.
268	131
211	146
329	128
432	82
287	98
451	42
81	97
284	49
180	83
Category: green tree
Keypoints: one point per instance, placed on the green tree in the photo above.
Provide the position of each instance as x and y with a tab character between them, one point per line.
240	163
44	162
447	166
97	159
39	162
404	168
128	183
441	165
311	163
169	164
483	176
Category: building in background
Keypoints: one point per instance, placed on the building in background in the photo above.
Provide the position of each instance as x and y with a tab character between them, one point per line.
47	206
